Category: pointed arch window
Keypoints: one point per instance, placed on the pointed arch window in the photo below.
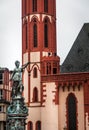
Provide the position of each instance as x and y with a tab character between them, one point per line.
26	35
35	35
45	34
30	125
35	94
71	112
35	72
45	5
38	125
34	5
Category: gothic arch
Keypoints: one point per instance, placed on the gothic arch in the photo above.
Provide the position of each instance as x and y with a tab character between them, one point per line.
34	19
30	125
35	65
46	18
38	125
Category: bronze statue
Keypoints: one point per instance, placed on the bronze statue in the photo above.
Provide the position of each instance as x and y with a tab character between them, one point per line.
16	78
17	110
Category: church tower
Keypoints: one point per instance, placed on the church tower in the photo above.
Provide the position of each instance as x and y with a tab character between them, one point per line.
39	48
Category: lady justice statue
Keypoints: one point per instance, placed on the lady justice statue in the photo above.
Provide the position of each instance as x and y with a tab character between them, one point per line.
17	111
16	78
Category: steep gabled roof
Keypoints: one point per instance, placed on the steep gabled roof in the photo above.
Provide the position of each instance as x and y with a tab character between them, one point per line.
77	59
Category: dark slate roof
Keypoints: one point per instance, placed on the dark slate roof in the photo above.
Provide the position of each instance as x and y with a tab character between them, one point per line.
77	59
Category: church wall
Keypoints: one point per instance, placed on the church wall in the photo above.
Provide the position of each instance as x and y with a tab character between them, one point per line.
49	113
35	82
34	116
26	86
62	107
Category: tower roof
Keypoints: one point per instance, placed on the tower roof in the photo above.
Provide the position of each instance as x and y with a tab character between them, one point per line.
77	59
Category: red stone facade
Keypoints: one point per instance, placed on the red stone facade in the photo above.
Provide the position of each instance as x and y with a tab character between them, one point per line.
39	35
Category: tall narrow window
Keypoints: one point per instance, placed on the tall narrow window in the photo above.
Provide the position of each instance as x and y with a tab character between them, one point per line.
45	34
26	37
35	72
45	5
35	35
38	125
34	5
30	125
35	95
71	103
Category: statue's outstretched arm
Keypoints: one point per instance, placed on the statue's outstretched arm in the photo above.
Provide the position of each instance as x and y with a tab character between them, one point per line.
25	65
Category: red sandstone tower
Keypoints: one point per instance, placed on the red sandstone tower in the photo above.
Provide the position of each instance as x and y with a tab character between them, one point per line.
56	101
39	47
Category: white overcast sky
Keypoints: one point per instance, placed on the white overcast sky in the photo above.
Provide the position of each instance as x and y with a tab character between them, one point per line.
71	15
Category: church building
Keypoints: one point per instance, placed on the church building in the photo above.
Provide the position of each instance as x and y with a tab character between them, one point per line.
57	96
